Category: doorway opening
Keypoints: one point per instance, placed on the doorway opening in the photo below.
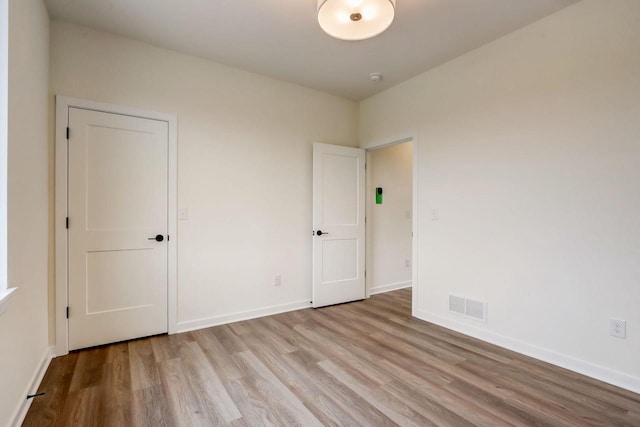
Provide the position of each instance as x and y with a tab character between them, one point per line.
390	217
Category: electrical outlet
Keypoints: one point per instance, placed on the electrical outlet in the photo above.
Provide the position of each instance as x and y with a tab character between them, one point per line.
277	280
407	263
618	328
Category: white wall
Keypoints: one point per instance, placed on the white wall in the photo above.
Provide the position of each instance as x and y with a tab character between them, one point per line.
244	160
23	327
389	224
4	104
529	147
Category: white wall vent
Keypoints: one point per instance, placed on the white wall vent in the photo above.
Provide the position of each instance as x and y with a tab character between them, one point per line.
457	304
468	307
477	310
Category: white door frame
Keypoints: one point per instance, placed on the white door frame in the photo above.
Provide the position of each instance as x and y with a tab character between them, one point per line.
404	137
63	104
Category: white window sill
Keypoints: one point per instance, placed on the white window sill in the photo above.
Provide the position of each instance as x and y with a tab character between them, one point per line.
5	298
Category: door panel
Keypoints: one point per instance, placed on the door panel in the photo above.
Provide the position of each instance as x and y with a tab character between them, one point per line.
130	269
340	189
117	201
120	190
338	212
339	260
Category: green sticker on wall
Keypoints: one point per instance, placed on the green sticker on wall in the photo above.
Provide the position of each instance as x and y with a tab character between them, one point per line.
378	195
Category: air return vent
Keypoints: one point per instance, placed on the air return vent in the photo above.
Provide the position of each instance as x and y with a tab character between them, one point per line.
468	307
457	304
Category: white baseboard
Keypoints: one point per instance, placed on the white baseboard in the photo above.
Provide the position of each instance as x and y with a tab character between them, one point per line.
23	407
208	322
583	367
388	288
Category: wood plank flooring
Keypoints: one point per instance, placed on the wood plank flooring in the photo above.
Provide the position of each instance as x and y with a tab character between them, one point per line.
366	363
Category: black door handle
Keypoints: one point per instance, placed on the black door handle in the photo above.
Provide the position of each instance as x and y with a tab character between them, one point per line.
158	238
320	233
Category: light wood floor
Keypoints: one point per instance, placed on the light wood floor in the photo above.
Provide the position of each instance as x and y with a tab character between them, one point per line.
365	363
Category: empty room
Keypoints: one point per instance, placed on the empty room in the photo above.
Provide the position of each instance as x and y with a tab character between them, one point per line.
320	212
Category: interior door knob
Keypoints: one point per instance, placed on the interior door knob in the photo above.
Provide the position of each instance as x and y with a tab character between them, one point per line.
320	233
158	238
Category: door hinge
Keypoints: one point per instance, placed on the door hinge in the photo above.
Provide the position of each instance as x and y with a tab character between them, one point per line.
66	223
168	237
67	312
68	133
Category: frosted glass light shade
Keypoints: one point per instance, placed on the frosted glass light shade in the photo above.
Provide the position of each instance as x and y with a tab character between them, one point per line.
355	19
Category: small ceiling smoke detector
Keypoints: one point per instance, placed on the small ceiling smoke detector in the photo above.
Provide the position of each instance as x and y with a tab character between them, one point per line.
375	77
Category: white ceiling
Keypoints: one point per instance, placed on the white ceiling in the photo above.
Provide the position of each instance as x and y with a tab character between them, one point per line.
282	39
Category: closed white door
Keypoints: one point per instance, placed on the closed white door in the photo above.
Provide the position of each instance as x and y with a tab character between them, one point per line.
117	227
338	224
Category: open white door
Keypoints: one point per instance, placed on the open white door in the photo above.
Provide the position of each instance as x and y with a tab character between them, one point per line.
338	224
117	237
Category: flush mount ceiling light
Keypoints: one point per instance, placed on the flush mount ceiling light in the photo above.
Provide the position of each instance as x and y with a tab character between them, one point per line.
355	19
